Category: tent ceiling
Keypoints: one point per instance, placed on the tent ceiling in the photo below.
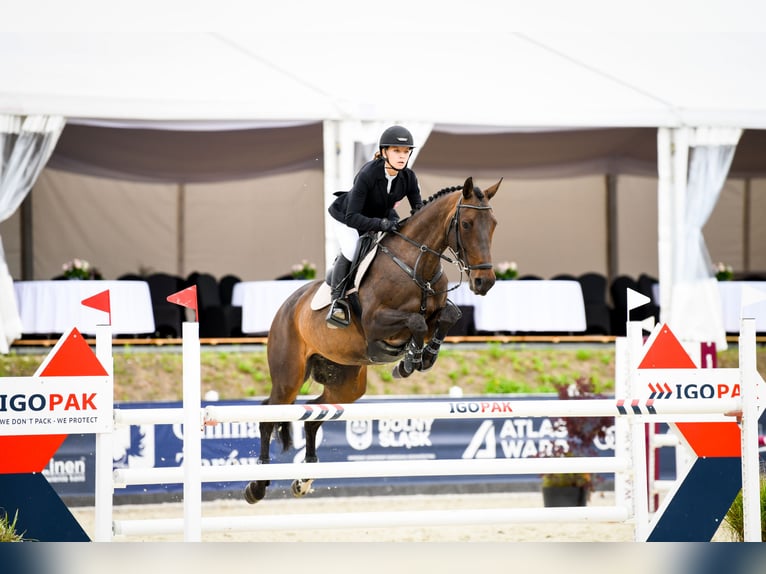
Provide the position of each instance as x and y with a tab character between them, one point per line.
484	76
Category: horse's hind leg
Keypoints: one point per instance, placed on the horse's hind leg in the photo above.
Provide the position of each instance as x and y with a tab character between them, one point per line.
302	486
449	316
256	489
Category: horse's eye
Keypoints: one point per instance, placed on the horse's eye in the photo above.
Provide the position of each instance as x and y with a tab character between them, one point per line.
465	224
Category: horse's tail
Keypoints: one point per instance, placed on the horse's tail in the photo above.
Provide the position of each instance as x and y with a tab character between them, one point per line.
284	430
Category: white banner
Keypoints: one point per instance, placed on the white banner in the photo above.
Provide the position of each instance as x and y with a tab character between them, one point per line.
56	405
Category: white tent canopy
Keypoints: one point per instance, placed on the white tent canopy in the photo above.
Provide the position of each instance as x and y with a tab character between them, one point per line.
464	73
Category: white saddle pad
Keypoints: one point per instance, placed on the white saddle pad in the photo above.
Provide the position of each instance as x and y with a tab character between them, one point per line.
322	299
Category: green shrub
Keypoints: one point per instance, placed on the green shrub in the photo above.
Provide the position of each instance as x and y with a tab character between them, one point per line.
735	517
8	529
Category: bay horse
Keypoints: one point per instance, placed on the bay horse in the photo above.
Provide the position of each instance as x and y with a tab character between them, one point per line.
402	314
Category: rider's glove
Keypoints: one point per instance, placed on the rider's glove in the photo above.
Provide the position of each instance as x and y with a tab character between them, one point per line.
389	224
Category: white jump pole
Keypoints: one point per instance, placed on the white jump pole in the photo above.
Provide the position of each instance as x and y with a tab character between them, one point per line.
104	487
377	469
192	432
639	496
751	498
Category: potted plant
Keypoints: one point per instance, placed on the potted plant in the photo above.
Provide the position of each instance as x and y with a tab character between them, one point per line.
80	269
724	272
506	270
573	489
304	270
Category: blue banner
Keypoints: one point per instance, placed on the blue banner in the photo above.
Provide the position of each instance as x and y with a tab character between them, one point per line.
146	446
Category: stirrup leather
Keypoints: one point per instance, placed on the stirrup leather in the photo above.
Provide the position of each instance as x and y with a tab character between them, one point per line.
339	315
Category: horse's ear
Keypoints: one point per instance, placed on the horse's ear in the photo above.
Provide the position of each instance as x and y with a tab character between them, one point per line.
468	188
492	190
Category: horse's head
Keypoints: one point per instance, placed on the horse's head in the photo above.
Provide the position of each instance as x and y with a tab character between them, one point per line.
474	224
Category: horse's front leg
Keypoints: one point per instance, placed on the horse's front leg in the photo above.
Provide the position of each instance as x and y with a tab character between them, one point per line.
447	317
393	323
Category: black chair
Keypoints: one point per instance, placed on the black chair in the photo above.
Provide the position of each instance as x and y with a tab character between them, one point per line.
594	287
619	293
563	277
597	311
465	325
216	320
646	284
529	277
130	277
226	287
168	317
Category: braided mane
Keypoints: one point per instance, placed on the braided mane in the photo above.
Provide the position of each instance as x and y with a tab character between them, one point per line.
438	194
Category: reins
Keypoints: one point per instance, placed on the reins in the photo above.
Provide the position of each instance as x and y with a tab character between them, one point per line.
459	253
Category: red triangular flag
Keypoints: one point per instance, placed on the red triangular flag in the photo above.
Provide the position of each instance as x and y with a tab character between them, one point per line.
186	298
101	302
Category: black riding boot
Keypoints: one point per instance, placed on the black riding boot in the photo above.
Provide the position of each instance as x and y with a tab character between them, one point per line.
339	315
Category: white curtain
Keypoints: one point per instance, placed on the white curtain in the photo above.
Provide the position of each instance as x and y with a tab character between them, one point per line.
26	144
697	313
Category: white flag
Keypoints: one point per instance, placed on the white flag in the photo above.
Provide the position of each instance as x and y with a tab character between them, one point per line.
749	296
636	299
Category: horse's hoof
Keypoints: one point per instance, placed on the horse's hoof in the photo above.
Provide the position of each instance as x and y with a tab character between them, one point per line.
401	372
301	487
255	491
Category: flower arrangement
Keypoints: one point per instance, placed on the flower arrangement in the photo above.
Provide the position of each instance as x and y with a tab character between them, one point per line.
80	269
506	270
304	270
581	433
724	272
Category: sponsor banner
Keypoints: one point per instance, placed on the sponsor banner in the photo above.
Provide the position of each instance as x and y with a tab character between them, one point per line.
55	405
405	438
71	471
687	384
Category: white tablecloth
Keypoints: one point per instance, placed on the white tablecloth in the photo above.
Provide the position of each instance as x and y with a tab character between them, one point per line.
509	305
260	301
731	304
731	301
535	305
48	307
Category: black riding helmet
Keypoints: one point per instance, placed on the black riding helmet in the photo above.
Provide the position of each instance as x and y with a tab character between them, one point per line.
396	136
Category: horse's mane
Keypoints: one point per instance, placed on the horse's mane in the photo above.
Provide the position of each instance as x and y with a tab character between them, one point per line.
443	192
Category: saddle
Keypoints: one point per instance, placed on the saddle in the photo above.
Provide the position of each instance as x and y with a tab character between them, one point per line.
366	248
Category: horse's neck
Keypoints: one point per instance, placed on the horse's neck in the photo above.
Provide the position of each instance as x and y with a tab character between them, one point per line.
431	229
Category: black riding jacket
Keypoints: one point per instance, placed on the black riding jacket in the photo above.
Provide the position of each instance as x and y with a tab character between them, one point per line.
368	202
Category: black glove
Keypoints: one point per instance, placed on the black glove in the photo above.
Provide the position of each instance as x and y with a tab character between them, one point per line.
389	225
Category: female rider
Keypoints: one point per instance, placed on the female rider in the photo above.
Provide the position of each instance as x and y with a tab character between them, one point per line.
369	206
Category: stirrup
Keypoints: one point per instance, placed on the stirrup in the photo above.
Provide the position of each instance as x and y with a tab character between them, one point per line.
339	316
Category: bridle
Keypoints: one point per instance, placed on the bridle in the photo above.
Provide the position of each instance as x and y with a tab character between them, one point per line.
459	260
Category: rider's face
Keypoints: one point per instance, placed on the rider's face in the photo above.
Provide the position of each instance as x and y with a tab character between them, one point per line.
397	156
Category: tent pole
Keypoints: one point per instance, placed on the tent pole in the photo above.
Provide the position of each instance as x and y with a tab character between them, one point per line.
746	221
612	238
27	243
180	229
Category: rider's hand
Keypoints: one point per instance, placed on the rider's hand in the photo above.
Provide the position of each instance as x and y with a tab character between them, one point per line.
389	224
